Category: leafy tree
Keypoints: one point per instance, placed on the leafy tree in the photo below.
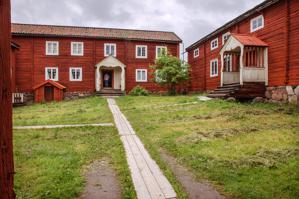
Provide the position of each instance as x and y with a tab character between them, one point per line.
170	71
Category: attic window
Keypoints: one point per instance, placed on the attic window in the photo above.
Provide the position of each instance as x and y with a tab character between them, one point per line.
257	23
196	53
214	44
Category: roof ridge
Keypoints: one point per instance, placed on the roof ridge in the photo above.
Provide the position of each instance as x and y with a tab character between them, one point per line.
90	27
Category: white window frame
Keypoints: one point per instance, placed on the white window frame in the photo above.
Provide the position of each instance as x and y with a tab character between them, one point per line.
215	47
52	53
196	53
140	56
224	36
76	53
141	70
162	47
256	19
211	68
109	44
71	76
52	68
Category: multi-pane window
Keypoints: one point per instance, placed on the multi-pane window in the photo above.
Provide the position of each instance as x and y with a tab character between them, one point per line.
52	48
141	75
77	48
227	62
214	68
214	44
51	73
75	74
160	50
141	51
196	53
257	23
225	37
110	49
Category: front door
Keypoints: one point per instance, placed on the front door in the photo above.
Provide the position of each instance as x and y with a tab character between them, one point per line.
49	93
107	78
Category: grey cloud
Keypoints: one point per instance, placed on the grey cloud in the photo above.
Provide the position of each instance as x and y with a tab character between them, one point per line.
190	19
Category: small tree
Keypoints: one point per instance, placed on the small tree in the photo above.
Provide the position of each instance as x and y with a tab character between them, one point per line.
170	71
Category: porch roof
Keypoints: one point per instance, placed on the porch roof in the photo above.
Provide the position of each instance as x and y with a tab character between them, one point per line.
249	40
56	84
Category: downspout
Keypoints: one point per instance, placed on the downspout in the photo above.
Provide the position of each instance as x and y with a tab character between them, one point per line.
287	42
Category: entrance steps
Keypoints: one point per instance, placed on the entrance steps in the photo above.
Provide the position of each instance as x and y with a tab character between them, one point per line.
110	92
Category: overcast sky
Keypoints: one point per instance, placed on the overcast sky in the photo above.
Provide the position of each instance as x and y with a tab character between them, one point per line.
190	19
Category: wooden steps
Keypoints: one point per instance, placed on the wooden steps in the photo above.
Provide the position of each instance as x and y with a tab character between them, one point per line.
110	92
245	91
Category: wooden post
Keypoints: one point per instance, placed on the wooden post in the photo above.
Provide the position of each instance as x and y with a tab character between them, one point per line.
6	155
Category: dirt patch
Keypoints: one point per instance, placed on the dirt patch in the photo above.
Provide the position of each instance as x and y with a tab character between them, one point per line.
194	188
101	182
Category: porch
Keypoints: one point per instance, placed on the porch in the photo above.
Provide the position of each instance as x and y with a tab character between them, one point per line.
244	67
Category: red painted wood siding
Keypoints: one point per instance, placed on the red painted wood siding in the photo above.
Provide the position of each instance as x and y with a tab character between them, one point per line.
31	61
274	33
6	152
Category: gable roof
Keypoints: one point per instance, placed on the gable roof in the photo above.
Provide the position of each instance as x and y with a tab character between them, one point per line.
248	40
56	84
110	61
92	32
256	9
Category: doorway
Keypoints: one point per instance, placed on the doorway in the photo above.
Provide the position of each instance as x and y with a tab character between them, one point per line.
49	93
107	79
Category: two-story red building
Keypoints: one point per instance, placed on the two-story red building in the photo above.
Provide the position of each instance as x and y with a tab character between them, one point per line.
56	62
256	51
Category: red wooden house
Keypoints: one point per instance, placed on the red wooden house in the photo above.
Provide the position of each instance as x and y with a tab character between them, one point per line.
258	50
80	58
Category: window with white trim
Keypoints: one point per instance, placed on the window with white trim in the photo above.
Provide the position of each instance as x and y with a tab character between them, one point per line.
225	37
214	44
196	53
141	51
109	49
214	68
257	23
141	75
75	74
51	73
52	48
160	50
77	48
227	62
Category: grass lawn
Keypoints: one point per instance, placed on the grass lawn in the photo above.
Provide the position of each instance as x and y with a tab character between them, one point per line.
245	150
81	111
50	163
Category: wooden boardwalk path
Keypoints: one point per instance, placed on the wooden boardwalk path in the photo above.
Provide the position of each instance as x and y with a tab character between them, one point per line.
149	181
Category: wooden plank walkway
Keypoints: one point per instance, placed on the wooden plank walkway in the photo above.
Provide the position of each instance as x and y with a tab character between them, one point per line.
60	126
148	179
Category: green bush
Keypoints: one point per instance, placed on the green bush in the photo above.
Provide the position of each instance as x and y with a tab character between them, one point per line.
139	91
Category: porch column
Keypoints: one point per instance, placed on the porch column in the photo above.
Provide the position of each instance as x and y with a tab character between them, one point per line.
222	65
266	66
123	76
241	65
97	79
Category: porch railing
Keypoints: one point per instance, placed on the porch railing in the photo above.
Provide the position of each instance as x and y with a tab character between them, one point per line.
231	77
254	74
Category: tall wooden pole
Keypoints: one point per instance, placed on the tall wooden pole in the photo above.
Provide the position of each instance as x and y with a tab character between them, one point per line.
6	155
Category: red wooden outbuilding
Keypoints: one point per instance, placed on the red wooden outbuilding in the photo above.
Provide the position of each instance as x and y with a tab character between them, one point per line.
48	91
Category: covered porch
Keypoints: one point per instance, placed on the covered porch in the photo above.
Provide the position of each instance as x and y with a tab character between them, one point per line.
244	59
110	76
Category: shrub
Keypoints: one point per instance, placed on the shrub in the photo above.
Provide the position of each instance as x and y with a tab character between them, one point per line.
139	91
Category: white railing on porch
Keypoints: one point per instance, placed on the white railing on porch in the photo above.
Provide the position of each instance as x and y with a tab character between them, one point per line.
254	74
231	77
17	98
